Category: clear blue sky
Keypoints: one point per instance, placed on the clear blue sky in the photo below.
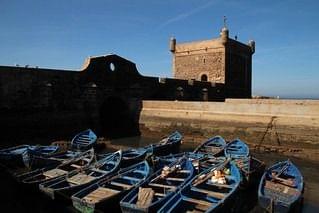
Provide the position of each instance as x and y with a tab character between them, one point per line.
61	34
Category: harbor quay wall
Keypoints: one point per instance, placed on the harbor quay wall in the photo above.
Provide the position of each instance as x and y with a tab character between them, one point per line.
285	124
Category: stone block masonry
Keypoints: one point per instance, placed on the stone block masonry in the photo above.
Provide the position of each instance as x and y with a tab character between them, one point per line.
220	60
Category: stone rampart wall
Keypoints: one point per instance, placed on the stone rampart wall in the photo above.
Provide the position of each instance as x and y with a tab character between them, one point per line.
265	122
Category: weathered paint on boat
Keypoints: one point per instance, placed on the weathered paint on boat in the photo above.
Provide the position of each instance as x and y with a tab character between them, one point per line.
214	146
281	188
236	149
84	140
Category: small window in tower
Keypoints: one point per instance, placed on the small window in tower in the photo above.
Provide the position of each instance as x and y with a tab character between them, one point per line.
204	60
203	77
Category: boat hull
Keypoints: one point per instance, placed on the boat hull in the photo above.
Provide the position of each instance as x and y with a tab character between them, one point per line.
201	194
278	207
84	140
131	160
84	202
214	146
129	202
281	188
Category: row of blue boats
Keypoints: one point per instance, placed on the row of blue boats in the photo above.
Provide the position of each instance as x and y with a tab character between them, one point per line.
155	178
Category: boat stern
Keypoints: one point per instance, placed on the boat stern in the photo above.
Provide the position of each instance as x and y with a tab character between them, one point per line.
47	191
82	206
273	205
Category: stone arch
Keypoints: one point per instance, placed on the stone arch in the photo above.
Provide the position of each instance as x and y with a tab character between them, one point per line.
179	92
204	77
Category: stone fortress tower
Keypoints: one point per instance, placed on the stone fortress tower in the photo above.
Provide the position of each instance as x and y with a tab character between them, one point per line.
220	60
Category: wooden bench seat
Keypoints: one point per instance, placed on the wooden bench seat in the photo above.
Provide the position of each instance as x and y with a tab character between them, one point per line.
99	194
125	186
162	185
219	185
197	201
76	166
175	179
159	194
79	179
183	171
217	195
54	173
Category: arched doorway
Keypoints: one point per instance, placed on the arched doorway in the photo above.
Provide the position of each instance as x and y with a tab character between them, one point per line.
116	120
204	77
179	93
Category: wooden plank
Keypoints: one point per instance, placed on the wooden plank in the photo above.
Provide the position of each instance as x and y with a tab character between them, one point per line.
175	179
219	185
79	179
218	195
100	194
162	185
202	202
281	188
54	173
183	171
145	197
76	166
159	194
81	142
126	186
84	139
284	181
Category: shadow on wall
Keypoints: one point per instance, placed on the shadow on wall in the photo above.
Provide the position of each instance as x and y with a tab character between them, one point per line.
119	118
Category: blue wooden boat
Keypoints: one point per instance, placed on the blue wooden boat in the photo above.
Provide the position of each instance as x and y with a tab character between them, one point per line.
163	185
252	169
106	194
13	156
53	160
38	162
20	156
43	150
205	193
133	156
73	165
38	151
281	188
84	140
214	146
167	145
236	149
73	182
